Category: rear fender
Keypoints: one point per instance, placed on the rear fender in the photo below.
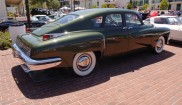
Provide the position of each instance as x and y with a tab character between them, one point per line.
81	42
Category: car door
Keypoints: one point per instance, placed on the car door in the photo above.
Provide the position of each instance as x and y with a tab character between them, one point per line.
115	36
133	25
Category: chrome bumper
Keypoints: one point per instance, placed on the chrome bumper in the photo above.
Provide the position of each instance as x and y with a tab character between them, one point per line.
33	65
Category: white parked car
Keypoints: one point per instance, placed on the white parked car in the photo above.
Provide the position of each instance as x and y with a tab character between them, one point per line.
171	22
44	18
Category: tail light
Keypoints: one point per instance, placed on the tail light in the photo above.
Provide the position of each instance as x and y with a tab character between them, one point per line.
28	30
46	37
53	35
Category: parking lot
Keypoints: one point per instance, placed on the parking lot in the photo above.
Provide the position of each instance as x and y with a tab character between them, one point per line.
139	78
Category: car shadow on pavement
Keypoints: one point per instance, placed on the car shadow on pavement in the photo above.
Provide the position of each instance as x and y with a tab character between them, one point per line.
175	43
65	81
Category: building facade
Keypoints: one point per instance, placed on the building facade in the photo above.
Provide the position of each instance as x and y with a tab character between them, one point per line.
121	3
98	3
3	12
93	3
154	4
173	4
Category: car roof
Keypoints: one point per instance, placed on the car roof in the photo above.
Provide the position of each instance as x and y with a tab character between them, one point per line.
96	11
163	16
40	15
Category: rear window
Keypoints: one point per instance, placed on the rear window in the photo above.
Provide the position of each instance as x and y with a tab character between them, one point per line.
67	18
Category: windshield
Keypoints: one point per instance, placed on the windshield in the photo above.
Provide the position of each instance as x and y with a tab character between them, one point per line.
67	18
174	21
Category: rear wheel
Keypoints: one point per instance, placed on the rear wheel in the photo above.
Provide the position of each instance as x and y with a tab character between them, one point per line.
84	63
159	46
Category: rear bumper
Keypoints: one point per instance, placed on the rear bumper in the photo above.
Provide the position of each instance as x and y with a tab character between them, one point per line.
34	65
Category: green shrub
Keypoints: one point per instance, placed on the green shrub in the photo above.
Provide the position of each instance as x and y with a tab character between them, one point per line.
5	42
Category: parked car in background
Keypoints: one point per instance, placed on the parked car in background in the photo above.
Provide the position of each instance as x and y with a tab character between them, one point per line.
171	22
180	18
43	18
40	11
5	24
33	25
56	16
81	38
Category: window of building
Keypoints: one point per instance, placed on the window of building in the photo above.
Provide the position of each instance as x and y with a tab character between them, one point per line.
97	3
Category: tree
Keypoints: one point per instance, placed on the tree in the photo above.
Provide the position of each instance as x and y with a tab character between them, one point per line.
129	6
164	5
94	6
104	6
145	6
53	4
111	6
37	4
41	2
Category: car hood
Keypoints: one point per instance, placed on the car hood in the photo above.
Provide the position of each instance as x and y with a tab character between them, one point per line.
46	29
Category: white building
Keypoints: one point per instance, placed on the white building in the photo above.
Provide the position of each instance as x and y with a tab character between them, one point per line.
17	7
173	4
117	3
98	3
94	3
81	3
3	12
154	4
121	3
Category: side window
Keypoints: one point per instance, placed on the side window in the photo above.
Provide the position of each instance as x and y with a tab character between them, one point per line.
160	21
173	21
97	21
113	20
132	20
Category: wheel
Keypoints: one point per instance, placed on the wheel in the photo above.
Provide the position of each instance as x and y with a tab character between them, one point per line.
159	47
84	63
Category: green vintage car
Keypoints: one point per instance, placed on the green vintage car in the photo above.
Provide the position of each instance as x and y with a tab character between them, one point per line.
80	38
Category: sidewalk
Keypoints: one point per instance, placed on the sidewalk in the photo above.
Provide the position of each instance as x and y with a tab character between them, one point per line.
141	78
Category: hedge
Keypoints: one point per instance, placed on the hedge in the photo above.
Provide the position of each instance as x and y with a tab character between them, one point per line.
5	41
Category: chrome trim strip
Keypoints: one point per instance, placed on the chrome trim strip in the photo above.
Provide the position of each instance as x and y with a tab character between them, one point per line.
30	61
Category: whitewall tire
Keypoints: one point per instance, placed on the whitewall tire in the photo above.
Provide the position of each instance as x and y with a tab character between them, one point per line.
84	63
159	46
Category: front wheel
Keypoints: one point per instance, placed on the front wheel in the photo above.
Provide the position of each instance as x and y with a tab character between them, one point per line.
159	46
84	63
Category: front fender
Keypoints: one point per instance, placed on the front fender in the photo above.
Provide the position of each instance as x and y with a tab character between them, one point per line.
154	31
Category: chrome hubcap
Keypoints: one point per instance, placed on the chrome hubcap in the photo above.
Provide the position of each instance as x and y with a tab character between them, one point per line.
84	62
159	44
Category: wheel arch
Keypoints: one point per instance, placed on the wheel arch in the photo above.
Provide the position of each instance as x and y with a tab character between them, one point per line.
166	37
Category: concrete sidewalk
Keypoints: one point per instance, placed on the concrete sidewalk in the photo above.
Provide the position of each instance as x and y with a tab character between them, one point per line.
142	78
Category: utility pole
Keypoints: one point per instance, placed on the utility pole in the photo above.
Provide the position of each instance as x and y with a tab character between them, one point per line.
27	12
